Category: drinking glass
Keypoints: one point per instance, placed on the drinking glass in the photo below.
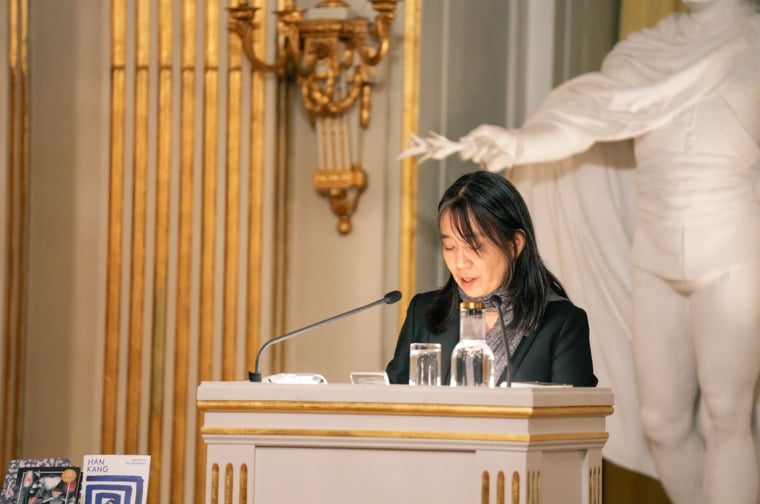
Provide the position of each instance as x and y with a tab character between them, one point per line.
425	364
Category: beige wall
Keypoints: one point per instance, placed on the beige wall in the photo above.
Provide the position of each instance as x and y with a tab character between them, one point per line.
68	132
330	273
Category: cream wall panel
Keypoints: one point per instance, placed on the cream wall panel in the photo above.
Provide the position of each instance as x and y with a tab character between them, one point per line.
330	273
466	78
67	227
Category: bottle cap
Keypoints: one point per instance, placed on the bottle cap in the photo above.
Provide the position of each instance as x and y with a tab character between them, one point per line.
472	305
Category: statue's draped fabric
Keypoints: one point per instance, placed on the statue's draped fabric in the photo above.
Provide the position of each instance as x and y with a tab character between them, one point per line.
687	91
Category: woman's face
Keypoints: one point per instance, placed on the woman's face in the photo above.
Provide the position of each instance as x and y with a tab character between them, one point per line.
478	273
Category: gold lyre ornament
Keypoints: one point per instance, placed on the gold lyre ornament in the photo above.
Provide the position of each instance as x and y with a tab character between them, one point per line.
332	55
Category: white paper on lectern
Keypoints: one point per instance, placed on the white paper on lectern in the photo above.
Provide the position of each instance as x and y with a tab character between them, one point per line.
535	384
295	378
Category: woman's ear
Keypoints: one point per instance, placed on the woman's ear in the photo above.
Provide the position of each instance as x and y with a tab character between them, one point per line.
519	242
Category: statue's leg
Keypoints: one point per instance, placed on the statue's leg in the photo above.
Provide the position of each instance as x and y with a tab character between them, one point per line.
726	314
666	378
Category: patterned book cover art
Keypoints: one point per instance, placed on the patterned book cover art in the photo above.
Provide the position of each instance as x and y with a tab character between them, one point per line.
52	485
11	473
115	479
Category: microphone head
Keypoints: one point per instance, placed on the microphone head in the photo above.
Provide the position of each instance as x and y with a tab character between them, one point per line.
392	297
495	300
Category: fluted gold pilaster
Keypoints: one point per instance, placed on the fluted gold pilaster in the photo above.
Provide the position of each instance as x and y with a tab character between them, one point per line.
215	484
161	254
500	488
115	228
595	485
533	484
255	205
205	311
176	260
210	122
485	488
15	257
228	482
232	203
243	484
410	122
139	214
282	206
515	487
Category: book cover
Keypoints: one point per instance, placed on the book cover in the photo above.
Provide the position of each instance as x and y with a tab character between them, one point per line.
115	479
11	473
52	485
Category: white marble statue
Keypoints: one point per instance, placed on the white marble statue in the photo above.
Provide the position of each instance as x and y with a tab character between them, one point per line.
687	92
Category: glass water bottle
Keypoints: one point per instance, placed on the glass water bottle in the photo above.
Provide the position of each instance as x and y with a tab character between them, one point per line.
472	358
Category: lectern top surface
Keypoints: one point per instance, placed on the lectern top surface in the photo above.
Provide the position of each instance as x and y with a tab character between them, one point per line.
536	396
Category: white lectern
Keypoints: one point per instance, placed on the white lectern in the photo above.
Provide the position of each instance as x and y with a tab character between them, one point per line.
340	443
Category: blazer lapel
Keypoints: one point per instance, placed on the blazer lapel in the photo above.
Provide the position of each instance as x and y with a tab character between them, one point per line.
520	352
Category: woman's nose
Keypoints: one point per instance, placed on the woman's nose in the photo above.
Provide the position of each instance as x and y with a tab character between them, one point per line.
463	257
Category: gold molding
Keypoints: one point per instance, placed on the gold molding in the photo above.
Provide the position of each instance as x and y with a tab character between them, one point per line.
232	209
161	262
515	487
139	212
409	125
228	482
17	193
393	434
485	487
500	488
595	485
255	205
214	484
534	487
243	483
115	225
406	409
187	49
209	183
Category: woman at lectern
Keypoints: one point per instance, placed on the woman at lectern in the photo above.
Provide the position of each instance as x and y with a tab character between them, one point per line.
489	247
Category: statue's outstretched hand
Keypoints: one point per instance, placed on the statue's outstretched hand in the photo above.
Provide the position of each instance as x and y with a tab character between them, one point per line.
435	146
492	147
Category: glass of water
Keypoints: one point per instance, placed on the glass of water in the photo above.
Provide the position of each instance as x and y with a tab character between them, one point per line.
425	364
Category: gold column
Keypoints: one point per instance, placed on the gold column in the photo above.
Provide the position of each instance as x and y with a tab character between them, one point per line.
210	97
187	142
115	216
161	260
139	213
15	264
232	202
175	311
255	205
282	208
410	124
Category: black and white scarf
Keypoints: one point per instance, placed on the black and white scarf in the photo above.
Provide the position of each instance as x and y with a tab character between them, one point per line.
494	336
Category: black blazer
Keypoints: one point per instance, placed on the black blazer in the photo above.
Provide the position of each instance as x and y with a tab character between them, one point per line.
558	352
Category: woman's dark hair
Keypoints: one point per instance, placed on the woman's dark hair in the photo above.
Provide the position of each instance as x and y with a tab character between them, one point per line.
488	202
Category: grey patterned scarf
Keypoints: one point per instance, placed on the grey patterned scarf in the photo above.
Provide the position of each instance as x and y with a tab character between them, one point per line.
494	336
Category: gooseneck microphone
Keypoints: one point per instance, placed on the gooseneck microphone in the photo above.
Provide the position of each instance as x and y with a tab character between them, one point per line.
390	298
496	301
